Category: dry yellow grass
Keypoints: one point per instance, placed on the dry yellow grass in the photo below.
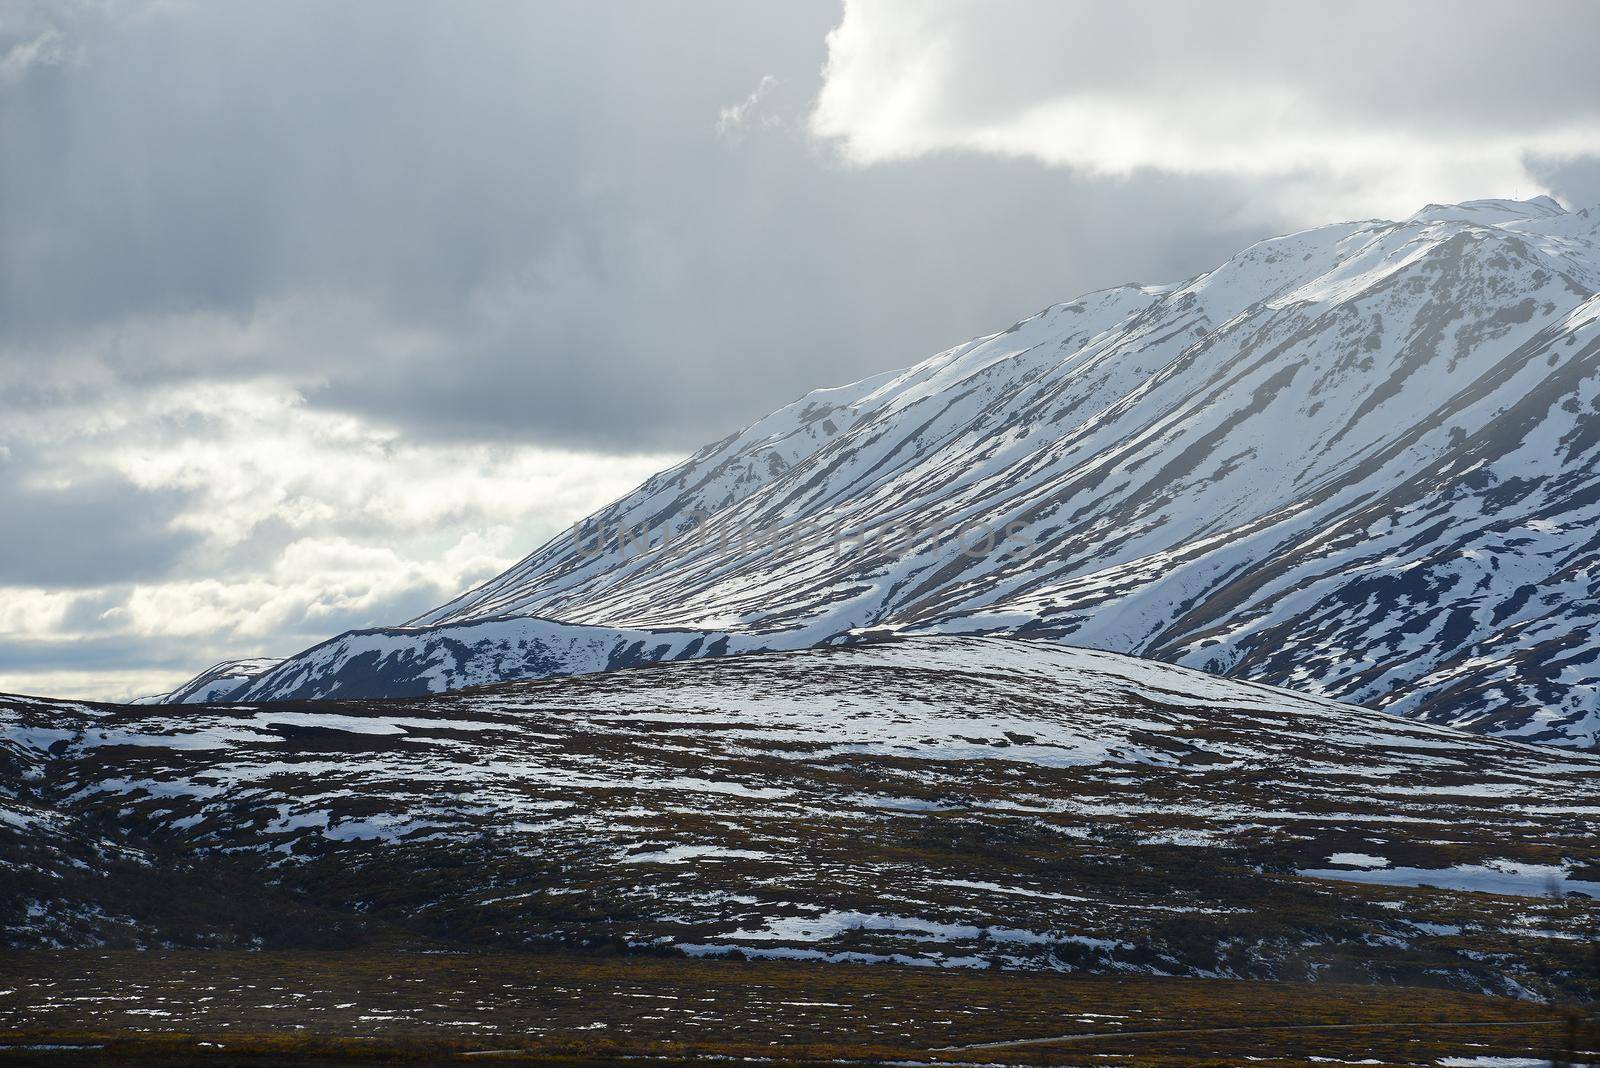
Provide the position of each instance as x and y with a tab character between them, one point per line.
377	1007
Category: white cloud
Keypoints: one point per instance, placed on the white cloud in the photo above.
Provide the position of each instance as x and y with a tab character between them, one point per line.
1347	110
45	49
33	611
306	523
733	120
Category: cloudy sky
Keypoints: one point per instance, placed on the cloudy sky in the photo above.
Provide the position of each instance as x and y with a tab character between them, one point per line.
313	314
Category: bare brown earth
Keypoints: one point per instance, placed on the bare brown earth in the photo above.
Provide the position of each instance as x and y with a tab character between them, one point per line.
221	1007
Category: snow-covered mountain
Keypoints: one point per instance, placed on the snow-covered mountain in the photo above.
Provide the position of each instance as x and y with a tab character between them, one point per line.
216	683
951	801
411	661
1359	461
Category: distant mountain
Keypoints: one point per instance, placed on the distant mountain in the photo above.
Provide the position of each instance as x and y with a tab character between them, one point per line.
1361	461
950	801
217	683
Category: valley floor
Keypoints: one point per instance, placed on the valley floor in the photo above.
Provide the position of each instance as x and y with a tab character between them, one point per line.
220	1007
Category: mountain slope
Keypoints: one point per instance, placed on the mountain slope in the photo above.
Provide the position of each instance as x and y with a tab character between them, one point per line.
947	801
1356	460
411	661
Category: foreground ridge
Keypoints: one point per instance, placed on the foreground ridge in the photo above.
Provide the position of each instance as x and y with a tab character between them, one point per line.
1054	809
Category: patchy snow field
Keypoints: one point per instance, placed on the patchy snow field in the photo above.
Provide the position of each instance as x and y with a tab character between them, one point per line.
933	801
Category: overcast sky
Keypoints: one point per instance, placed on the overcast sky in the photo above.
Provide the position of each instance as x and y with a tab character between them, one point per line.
313	314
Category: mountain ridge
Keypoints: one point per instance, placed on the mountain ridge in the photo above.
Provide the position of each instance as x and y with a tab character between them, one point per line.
1202	472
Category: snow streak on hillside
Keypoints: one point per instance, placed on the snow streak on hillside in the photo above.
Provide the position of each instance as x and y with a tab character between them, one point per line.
1359	461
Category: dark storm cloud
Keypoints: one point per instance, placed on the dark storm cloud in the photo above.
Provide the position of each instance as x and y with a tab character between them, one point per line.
1576	182
540	201
639	353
